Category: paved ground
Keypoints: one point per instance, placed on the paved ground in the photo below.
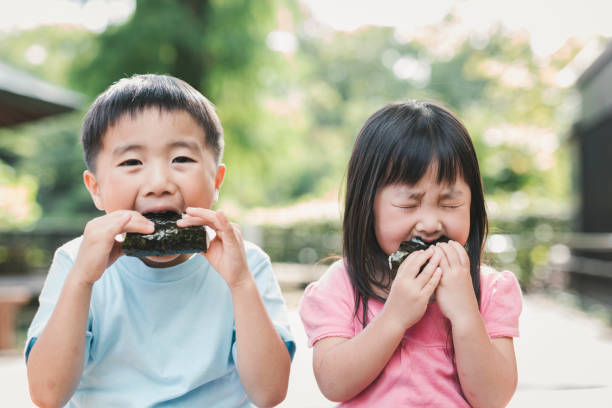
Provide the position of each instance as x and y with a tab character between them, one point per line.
564	357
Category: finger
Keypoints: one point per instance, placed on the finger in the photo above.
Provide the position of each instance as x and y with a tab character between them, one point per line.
433	283
413	262
190	221
451	254
444	264
462	255
429	269
226	225
200	216
121	221
139	223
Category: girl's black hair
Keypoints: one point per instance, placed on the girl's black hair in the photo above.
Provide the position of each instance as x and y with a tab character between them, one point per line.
134	95
398	144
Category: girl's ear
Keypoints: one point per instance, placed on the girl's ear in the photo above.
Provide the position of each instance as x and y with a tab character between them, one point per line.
92	185
219	177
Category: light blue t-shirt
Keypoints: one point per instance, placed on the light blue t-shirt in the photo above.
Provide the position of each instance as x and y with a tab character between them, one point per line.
161	336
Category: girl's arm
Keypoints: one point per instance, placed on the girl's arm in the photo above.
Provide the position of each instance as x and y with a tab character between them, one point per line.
343	368
486	367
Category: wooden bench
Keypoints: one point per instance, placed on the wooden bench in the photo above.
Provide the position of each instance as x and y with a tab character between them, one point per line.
15	291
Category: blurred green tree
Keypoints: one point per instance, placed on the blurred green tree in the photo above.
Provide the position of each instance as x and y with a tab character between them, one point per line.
290	117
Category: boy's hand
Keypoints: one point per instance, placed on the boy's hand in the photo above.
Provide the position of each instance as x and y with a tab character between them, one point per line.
226	251
410	294
455	294
99	248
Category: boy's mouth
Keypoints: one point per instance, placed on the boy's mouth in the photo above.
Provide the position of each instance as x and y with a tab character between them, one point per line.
161	209
168	239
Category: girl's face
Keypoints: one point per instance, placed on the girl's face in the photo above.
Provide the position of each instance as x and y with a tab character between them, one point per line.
426	209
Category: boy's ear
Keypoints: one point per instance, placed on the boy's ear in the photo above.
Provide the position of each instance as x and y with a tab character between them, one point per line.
92	185
219	177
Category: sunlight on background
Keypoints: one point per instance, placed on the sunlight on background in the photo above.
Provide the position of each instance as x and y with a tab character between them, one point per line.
549	22
95	15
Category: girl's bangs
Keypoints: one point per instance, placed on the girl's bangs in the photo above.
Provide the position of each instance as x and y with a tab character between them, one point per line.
409	161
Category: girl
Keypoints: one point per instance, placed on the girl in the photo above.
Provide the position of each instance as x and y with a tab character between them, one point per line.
439	338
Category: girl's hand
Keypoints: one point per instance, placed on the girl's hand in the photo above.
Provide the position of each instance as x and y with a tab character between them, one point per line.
455	294
410	294
226	251
99	249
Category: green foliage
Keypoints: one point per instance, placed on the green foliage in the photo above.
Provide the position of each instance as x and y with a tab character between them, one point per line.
46	51
290	119
51	154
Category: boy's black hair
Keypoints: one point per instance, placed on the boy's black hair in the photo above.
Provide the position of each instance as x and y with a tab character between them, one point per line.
398	144
134	95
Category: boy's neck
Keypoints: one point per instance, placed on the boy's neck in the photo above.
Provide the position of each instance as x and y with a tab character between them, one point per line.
155	264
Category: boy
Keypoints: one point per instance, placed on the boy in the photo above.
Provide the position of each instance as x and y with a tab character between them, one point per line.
186	330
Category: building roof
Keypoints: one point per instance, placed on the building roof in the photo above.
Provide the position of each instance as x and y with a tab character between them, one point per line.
24	97
595	68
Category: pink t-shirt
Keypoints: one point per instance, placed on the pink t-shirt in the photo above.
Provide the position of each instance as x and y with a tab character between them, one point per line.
420	372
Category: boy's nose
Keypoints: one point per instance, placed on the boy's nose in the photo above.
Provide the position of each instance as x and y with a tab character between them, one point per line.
159	182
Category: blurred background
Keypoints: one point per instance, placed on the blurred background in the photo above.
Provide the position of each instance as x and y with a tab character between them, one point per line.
293	82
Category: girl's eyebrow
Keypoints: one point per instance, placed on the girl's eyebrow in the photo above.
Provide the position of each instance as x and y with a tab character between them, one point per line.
412	194
416	195
451	193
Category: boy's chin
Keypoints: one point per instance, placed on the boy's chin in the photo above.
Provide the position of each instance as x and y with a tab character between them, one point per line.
165	261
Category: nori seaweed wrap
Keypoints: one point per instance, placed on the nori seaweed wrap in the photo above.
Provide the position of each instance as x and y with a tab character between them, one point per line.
167	239
408	247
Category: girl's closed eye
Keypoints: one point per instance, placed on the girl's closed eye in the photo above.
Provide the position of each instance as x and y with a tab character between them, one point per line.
406	206
451	205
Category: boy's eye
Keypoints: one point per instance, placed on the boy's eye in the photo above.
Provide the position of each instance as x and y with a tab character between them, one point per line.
182	159
130	162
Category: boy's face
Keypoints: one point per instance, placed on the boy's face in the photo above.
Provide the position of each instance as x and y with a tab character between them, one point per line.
155	161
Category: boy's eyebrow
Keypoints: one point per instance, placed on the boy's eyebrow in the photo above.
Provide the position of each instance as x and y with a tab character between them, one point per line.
185	143
119	150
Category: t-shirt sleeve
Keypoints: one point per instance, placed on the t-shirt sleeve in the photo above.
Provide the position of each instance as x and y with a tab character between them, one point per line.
326	309
271	295
502	304
60	267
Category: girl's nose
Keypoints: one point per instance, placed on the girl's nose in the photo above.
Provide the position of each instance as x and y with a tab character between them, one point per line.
159	182
428	223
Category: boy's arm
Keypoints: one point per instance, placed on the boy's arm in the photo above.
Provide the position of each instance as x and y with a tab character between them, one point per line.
55	362
263	359
56	359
